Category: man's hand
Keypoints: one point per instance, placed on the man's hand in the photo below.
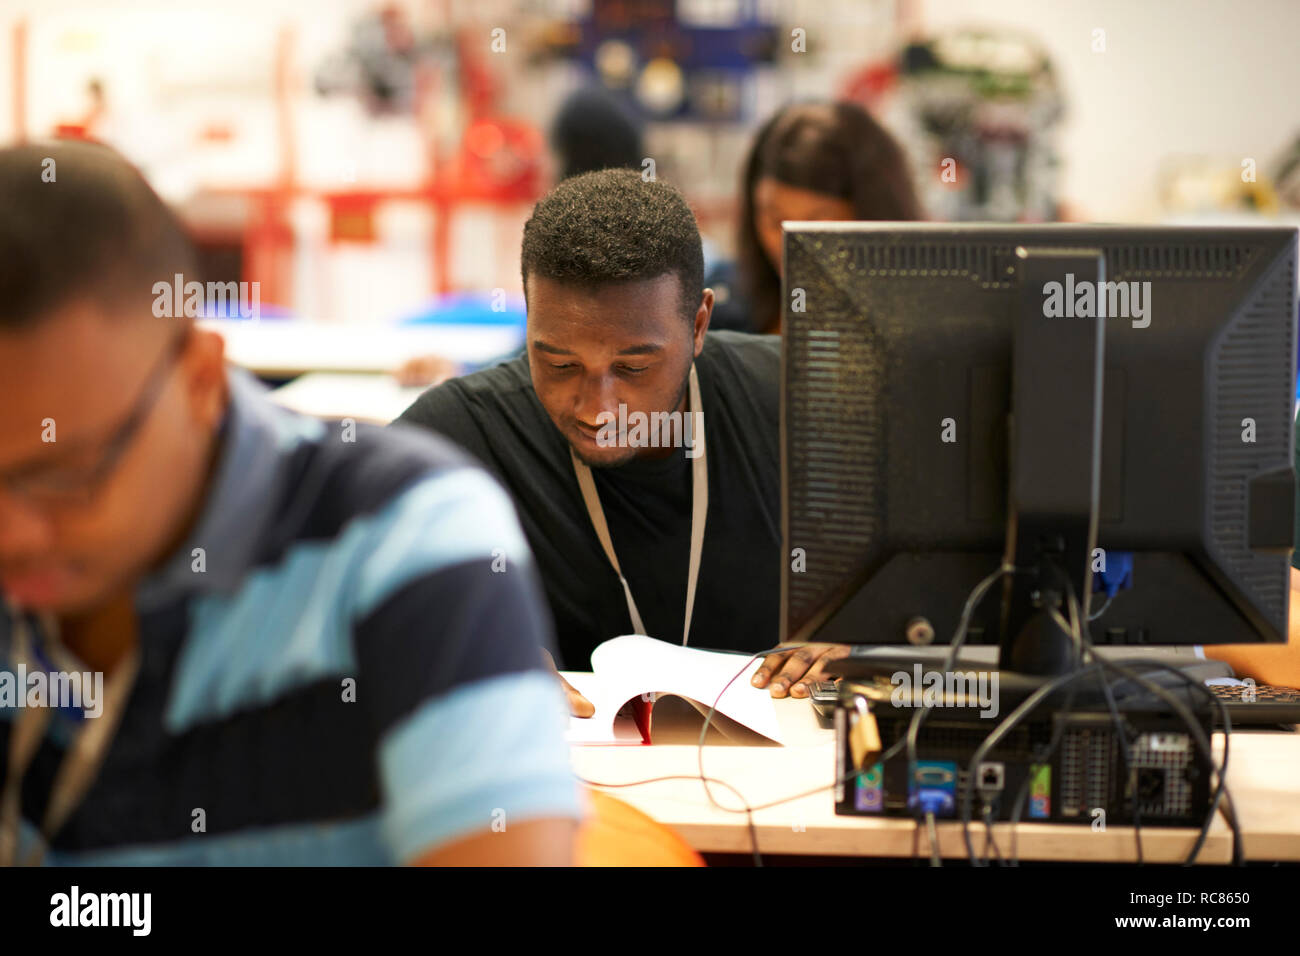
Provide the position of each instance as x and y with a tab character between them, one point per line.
426	370
579	706
796	670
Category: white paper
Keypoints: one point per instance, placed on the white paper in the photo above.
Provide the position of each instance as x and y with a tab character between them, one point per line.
632	665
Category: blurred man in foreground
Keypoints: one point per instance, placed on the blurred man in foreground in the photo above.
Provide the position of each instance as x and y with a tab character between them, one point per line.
307	654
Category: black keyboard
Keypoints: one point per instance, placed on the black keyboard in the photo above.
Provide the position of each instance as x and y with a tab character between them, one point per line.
1258	704
1271	705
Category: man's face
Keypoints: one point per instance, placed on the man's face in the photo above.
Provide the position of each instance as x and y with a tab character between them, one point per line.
76	377
590	351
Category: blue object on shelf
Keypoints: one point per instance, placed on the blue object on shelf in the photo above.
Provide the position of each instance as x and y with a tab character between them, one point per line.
471	308
230	310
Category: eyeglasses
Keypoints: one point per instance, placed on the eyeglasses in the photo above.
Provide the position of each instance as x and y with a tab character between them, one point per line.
76	484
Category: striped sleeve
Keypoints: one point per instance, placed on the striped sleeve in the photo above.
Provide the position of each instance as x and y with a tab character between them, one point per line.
449	627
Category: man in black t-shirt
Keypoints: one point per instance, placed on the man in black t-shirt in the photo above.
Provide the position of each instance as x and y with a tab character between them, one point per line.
618	375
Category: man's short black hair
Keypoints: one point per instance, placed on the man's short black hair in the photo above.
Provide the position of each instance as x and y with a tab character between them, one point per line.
612	226
77	221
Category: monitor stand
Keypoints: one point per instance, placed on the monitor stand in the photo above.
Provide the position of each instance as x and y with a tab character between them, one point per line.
1055	476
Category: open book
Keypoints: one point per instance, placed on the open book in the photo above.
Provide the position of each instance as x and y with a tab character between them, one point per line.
638	683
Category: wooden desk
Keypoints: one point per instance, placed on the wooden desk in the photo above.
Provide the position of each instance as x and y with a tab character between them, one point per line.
1263	776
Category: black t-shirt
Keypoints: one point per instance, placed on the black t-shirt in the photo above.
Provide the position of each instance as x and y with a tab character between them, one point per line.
496	416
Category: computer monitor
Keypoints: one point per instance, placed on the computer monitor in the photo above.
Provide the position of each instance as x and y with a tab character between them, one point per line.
1066	399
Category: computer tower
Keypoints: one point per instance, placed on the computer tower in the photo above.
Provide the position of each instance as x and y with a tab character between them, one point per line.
1061	765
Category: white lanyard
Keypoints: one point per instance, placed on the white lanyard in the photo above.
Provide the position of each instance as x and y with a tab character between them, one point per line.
699	512
77	770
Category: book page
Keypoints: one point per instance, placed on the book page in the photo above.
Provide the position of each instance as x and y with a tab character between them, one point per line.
602	727
632	665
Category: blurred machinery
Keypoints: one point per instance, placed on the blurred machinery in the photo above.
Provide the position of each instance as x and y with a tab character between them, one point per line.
378	64
986	105
1288	175
1200	186
353	167
675	67
697	74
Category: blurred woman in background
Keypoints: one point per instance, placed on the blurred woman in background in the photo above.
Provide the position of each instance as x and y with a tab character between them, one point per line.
811	161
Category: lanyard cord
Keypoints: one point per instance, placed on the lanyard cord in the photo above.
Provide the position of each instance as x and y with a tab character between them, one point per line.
79	767
699	513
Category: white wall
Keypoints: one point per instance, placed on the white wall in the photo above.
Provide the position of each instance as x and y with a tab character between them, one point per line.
1217	78
1202	77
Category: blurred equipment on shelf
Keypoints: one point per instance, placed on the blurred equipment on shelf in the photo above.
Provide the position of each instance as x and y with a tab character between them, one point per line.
1288	175
987	104
378	65
1200	186
675	66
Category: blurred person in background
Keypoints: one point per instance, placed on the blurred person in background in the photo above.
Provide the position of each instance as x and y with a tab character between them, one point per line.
812	162
594	130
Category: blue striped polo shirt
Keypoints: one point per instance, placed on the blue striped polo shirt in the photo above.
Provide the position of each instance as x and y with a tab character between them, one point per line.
340	666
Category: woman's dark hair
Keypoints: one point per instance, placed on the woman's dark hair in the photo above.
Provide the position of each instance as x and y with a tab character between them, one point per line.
832	148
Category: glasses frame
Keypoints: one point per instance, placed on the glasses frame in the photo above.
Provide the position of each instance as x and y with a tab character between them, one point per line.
26	485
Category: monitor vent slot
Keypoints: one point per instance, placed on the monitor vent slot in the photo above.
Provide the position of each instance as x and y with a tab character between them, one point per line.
837	495
989	265
1251	359
1193	260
